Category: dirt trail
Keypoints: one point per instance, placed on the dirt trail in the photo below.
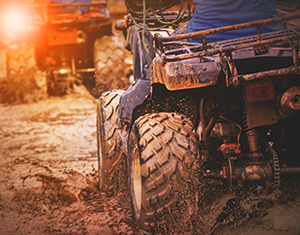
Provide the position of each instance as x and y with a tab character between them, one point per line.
48	177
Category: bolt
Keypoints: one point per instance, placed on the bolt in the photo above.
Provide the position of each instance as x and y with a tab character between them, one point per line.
296	98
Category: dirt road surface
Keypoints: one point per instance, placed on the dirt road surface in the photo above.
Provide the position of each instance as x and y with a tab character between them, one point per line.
48	170
48	178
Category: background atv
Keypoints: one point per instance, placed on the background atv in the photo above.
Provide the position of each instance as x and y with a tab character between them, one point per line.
68	41
200	112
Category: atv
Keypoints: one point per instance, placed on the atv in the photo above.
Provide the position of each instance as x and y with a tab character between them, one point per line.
227	111
69	42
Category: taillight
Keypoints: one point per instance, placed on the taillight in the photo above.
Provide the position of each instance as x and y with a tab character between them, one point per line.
261	91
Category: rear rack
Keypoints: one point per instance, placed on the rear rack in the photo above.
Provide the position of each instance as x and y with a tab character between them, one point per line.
172	49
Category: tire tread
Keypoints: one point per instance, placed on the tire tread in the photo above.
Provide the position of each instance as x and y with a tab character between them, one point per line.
169	154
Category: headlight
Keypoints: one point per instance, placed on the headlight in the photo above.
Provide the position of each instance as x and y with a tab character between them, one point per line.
63	71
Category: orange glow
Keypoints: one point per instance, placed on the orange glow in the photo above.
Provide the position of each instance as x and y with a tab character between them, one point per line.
13	20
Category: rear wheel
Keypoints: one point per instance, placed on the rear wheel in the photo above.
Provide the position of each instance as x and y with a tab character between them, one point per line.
24	82
109	61
111	160
163	171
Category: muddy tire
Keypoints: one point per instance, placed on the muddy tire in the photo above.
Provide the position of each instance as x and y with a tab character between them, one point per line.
24	83
163	171
109	61
111	160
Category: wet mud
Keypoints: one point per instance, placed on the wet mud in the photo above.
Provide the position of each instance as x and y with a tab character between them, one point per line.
48	167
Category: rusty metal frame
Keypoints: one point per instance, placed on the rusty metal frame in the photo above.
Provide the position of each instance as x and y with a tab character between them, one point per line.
172	49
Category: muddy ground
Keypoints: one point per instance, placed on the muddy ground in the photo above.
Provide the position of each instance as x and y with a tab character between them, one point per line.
48	179
48	166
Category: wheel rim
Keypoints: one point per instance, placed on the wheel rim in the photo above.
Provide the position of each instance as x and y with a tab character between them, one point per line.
136	182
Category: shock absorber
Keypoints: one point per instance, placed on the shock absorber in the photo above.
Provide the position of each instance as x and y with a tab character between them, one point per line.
252	137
